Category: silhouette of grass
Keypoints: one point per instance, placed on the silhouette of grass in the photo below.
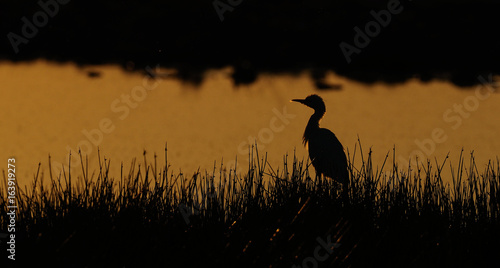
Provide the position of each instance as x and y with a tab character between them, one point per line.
263	217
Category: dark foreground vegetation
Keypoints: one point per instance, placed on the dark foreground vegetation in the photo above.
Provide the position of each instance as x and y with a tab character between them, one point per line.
260	216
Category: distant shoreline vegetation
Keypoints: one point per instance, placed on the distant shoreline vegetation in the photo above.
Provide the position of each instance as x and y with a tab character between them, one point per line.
448	40
259	215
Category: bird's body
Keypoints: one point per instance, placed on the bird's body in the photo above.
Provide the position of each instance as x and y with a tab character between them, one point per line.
325	150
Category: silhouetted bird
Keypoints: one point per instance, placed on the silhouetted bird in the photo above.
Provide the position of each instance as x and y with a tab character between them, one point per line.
325	150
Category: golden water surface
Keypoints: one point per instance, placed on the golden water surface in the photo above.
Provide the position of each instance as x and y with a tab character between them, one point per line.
49	108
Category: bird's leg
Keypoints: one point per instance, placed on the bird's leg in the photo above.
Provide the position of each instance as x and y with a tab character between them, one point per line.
318	181
345	192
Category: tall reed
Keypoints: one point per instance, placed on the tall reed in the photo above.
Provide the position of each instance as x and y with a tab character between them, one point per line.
279	207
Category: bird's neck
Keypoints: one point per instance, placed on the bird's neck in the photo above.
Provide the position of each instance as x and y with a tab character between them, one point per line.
312	125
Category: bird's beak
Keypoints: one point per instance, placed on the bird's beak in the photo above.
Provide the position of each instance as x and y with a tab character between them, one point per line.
299	100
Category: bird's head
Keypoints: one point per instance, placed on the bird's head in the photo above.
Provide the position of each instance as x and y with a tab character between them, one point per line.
314	101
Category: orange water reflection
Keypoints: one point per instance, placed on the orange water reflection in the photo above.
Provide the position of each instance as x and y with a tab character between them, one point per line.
51	108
